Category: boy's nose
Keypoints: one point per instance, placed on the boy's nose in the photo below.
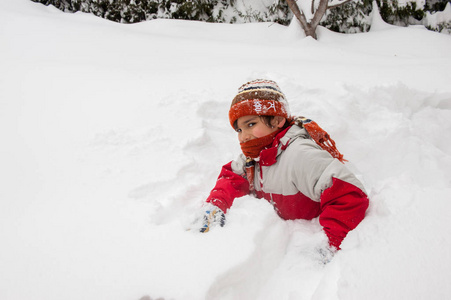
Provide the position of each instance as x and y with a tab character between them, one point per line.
245	137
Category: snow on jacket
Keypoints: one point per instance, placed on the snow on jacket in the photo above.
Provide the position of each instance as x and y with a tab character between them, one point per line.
301	181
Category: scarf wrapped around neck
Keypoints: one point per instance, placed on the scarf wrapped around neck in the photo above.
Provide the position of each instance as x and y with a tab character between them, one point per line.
253	147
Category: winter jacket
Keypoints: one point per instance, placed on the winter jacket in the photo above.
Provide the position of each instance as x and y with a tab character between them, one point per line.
301	181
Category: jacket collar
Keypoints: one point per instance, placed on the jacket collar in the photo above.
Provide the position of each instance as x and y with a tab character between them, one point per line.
269	156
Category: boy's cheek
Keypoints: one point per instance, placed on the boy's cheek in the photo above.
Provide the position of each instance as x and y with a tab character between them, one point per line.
259	132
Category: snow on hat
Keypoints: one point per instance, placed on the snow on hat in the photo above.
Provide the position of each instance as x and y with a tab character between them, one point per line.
259	97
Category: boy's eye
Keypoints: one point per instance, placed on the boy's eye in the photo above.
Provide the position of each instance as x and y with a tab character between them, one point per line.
238	130
251	124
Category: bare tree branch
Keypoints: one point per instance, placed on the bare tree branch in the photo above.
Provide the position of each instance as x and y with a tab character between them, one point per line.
310	26
297	12
319	13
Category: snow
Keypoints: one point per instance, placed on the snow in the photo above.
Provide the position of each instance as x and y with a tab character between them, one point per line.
440	17
418	3
306	7
256	5
113	135
377	23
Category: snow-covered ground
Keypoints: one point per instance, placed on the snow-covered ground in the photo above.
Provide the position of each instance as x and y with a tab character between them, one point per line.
112	136
440	18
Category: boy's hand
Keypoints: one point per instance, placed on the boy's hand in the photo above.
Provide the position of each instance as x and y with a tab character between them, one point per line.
212	217
326	254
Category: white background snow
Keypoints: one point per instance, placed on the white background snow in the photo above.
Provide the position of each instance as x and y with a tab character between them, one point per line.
112	136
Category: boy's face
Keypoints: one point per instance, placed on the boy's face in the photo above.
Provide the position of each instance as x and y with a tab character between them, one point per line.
253	127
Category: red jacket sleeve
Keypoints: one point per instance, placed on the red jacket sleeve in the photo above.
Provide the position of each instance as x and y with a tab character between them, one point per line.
343	207
228	187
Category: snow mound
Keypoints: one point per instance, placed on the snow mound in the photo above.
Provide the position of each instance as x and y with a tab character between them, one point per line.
377	23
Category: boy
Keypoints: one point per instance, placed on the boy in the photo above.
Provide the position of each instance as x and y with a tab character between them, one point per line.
290	162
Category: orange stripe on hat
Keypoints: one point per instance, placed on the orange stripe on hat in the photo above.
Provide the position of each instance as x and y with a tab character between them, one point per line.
259	107
259	97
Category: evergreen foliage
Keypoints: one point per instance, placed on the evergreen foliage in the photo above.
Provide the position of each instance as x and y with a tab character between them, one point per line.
133	11
393	13
438	5
352	17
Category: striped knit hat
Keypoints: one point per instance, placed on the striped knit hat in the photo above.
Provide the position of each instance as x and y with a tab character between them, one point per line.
259	97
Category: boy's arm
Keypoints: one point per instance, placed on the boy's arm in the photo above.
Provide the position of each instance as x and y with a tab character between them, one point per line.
229	186
342	198
343	207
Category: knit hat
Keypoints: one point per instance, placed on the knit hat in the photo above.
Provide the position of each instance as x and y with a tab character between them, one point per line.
259	97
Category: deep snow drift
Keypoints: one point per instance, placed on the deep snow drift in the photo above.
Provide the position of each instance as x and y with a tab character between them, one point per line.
113	135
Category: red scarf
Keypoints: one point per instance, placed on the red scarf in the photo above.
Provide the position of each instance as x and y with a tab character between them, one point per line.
253	147
320	136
